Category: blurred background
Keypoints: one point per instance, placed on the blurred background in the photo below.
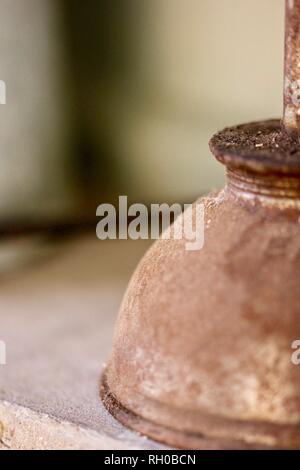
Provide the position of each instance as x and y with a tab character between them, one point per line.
112	97
107	98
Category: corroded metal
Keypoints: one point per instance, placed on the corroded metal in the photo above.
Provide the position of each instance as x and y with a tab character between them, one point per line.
291	117
202	348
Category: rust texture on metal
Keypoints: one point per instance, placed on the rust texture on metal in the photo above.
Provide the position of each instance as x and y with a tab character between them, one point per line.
202	348
291	119
261	147
203	344
172	437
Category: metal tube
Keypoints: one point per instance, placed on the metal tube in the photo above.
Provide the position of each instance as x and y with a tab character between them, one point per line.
291	118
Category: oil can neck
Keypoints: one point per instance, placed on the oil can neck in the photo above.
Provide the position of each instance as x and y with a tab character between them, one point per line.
245	183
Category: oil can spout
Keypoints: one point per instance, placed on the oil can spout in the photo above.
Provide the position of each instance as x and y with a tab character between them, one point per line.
291	116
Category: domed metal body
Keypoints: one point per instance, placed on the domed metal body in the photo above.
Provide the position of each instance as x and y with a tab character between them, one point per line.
203	344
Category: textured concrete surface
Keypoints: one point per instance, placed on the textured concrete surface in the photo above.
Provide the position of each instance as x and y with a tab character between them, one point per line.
57	320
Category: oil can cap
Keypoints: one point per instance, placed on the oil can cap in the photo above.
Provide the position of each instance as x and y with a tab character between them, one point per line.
258	147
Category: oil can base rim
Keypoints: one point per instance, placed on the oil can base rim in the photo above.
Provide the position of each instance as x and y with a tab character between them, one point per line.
161	434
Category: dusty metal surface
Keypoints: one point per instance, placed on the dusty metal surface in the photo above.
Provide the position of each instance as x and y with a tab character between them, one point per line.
171	436
202	347
258	147
203	340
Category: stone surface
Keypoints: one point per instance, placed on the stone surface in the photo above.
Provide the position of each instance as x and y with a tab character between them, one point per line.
57	318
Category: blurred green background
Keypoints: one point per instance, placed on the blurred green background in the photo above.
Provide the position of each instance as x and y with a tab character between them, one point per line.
112	97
